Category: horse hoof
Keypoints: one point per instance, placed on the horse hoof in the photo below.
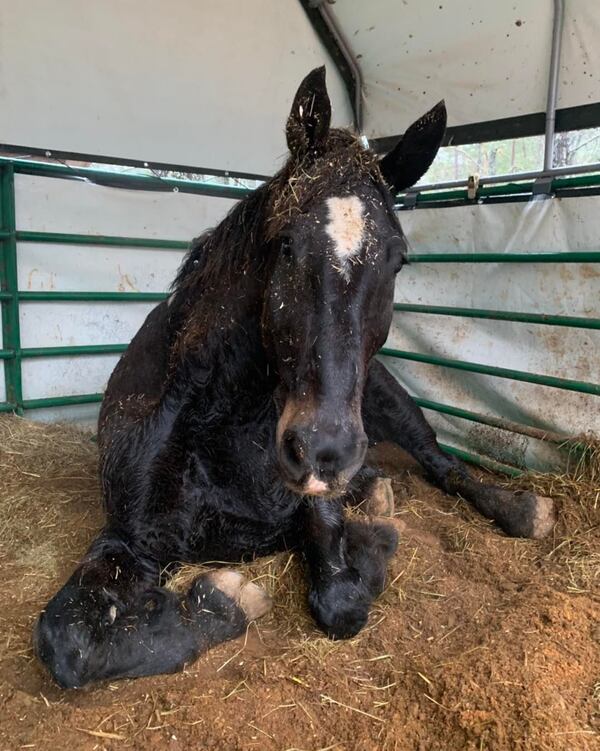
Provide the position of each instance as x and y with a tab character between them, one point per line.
251	598
528	515
380	501
544	517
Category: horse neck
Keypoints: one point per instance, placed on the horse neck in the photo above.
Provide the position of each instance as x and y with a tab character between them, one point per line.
217	330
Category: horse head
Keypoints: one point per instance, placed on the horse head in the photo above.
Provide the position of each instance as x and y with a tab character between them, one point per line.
328	303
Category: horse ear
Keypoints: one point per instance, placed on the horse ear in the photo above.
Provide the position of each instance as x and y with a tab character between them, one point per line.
308	123
412	156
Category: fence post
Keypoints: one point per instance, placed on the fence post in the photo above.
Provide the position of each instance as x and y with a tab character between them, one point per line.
11	338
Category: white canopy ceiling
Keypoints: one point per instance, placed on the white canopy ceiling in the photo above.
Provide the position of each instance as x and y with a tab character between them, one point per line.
488	59
210	83
206	83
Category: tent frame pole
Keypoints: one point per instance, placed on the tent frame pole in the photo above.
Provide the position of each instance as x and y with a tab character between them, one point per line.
557	29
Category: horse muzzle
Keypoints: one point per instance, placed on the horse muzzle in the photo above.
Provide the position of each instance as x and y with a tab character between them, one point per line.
320	460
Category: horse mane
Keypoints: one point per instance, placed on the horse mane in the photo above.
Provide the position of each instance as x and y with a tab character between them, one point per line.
242	239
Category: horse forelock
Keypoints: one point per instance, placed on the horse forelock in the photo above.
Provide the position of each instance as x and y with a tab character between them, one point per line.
343	164
242	240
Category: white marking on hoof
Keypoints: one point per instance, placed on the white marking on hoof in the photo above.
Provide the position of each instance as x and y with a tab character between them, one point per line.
251	598
314	486
346	227
229	582
254	601
544	517
380	501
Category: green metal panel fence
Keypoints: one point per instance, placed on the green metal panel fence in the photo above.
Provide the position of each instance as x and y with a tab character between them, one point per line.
12	353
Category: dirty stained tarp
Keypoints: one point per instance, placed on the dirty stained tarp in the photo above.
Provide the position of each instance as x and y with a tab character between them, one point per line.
569	289
488	60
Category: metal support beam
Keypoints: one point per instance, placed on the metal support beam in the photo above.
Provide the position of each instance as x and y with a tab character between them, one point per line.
580	117
351	60
336	43
557	28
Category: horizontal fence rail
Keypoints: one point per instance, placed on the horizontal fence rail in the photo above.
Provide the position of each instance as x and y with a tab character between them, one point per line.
482	461
574	257
493	370
574	322
53	296
492	421
450	257
65	238
125	180
48	402
557	185
12	353
75	349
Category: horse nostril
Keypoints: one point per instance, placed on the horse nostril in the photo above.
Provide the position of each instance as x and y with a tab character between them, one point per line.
338	454
293	453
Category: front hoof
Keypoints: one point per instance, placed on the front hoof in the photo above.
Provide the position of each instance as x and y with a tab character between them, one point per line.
380	501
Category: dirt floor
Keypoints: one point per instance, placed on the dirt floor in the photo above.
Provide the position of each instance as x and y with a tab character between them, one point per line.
479	642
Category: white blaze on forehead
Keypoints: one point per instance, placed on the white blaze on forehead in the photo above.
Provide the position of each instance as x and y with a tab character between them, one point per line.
346	226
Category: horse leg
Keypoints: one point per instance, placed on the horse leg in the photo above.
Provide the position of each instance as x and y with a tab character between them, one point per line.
111	621
390	414
347	563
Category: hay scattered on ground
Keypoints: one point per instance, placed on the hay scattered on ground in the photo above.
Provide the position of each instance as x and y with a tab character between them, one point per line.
576	491
479	643
43	467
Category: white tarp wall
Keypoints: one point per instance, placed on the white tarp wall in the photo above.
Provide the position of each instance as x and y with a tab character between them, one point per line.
553	225
54	205
206	83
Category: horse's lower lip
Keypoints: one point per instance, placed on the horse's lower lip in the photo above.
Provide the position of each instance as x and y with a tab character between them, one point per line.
332	489
314	486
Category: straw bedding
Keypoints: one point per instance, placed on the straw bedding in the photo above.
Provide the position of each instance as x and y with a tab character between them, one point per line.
479	642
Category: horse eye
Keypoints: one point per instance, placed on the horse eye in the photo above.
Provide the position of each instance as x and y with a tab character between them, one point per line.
287	243
396	253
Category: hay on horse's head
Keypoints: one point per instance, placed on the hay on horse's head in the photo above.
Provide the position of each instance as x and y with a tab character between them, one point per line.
343	164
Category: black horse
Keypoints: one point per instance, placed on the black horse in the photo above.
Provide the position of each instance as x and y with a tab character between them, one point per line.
237	421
